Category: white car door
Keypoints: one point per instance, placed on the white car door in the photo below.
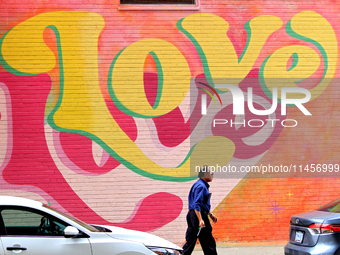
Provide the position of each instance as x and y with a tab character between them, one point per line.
2	251
32	232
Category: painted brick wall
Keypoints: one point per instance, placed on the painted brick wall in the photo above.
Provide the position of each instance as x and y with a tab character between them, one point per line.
101	111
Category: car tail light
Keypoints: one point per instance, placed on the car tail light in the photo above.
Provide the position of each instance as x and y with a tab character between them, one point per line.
324	228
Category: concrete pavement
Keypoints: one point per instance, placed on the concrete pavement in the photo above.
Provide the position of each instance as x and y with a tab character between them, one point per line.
247	249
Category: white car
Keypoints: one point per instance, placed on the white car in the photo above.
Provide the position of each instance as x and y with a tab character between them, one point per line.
29	227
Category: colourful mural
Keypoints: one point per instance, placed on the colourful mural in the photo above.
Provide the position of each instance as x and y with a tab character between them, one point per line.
101	111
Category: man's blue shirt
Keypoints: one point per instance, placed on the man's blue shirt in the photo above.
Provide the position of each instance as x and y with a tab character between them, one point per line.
199	197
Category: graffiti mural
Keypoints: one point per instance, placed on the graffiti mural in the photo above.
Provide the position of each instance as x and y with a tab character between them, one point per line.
101	112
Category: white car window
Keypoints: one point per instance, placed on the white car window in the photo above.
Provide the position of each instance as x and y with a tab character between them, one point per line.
26	223
79	222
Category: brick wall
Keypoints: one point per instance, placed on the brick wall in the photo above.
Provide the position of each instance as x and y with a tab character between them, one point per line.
100	111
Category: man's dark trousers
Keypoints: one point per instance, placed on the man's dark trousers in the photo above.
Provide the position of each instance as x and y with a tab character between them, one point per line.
207	241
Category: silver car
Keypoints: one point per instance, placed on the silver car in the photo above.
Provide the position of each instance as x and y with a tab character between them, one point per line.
316	232
31	228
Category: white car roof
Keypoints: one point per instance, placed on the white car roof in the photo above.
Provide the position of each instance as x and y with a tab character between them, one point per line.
20	201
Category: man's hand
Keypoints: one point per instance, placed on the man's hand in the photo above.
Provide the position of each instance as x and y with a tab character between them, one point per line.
214	218
202	225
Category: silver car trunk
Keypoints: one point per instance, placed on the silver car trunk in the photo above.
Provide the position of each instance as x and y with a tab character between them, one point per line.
300	231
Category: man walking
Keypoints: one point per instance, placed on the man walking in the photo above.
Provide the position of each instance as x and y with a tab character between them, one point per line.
198	216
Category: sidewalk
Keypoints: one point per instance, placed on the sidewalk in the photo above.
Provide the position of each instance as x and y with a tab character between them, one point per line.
246	249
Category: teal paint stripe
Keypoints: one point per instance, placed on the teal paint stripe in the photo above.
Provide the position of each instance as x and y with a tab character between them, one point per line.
295	61
160	82
248	30
263	84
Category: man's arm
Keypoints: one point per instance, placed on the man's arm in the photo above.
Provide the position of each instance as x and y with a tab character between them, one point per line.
198	202
200	220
